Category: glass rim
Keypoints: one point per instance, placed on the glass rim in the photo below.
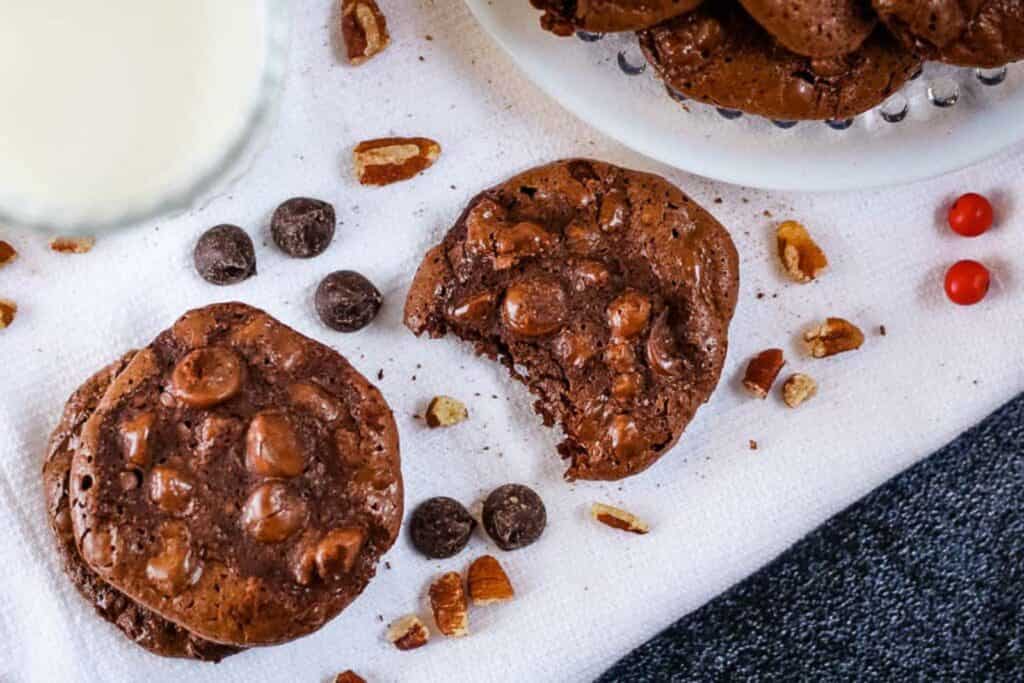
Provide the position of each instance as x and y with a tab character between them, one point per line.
228	168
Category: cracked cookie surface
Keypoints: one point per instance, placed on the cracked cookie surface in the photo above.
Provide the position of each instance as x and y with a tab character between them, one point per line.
815	28
974	33
719	55
564	17
608	292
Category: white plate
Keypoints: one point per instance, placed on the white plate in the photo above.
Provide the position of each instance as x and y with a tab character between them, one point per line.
586	78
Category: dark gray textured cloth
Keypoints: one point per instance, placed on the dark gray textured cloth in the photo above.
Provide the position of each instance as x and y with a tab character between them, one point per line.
922	580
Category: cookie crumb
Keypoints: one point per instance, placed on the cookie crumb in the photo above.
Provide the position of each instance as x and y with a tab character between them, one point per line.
882	331
753	445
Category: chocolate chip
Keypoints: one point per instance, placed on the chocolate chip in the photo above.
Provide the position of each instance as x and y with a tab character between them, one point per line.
441	527
273	447
346	301
208	376
303	227
272	513
514	516
224	255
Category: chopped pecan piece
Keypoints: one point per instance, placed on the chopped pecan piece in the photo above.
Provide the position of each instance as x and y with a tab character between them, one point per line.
7	253
72	245
408	633
762	371
801	257
448	600
349	676
8	309
833	336
390	160
445	411
364	28
798	389
618	519
488	582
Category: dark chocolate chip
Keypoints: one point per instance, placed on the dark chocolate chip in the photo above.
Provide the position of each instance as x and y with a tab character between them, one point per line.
303	227
224	255
346	301
441	527
514	516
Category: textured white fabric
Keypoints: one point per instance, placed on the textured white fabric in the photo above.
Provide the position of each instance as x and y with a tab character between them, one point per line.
586	594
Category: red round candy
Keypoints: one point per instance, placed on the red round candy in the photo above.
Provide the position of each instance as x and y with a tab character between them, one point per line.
967	282
970	215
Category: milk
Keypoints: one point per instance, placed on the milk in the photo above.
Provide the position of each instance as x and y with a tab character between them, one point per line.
111	107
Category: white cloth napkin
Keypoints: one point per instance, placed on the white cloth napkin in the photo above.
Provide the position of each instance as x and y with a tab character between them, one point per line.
585	594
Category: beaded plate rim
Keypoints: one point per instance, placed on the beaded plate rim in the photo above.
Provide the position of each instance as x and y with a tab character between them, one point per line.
794	157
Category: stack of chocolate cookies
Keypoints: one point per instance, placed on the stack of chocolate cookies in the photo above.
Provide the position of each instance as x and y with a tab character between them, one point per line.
233	484
800	59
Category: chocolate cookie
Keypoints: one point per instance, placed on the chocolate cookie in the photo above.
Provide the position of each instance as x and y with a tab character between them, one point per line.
721	56
608	292
237	478
564	17
977	33
144	627
815	28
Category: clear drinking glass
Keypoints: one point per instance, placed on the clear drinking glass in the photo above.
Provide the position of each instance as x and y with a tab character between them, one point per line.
232	163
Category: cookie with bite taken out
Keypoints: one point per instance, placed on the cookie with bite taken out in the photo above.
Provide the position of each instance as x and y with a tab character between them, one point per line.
608	292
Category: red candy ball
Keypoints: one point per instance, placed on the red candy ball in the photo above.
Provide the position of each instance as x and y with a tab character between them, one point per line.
970	215
967	282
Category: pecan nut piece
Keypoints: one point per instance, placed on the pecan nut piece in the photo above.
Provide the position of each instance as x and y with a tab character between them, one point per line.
408	633
7	253
8	309
833	336
72	245
445	411
762	371
349	676
448	601
801	257
618	519
488	582
389	160
364	28
798	389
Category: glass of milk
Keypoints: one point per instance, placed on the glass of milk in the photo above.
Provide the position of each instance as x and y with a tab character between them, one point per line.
119	111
